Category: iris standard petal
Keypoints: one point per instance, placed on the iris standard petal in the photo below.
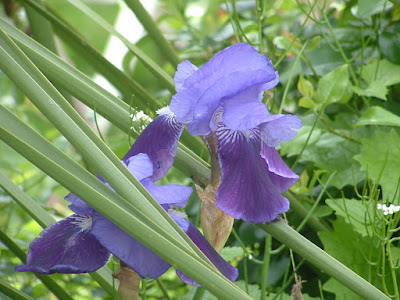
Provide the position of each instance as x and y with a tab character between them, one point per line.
279	130
239	58
223	266
246	191
169	194
66	247
281	175
140	166
224	89
139	258
184	71
159	140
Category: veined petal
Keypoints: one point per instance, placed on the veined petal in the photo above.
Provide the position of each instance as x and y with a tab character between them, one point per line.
139	258
169	194
281	129
223	266
78	205
237	59
159	140
281	175
66	247
140	166
184	71
246	191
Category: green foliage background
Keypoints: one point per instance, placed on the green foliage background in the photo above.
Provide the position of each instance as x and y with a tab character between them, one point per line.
339	66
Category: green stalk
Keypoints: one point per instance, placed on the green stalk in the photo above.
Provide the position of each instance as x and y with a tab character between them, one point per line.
320	259
153	31
12	292
265	266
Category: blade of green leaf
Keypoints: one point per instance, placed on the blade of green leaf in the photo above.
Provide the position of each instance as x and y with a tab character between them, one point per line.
47	281
182	258
12	292
377	115
323	261
153	31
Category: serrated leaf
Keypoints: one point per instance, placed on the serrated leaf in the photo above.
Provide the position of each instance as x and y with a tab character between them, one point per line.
305	87
334	87
382	70
375	89
380	156
377	115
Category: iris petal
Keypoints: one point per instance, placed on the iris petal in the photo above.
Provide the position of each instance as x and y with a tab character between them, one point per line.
223	266
139	258
66	247
281	175
281	129
246	191
184	71
140	166
159	140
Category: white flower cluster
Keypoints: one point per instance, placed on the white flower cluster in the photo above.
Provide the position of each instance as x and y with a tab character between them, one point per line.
141	118
388	210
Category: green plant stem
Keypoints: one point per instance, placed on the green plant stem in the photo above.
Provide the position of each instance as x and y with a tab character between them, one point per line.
246	255
265	266
12	292
320	259
198	295
153	31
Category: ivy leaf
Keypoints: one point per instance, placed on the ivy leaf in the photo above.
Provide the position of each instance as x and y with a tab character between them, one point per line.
375	89
377	115
334	87
380	156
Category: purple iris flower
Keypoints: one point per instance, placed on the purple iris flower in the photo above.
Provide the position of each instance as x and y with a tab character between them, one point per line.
83	242
224	97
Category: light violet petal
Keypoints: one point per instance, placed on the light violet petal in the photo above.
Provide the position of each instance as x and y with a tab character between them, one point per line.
66	247
246	191
281	175
140	166
169	194
194	234
244	112
239	58
185	70
78	205
280	130
139	258
159	140
224	89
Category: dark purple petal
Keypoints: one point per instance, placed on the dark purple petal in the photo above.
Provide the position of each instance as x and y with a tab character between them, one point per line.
244	111
185	70
66	247
223	266
78	205
224	71
281	175
139	258
246	191
140	166
170	194
224	89
159	140
281	129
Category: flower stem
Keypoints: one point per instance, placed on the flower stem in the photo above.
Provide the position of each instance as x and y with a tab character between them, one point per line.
265	266
322	260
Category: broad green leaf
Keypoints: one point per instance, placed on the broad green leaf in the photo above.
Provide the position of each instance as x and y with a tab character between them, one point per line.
380	157
377	115
334	87
389	43
308	103
382	70
295	145
395	255
232	253
305	87
340	291
356	213
335	154
367	8
375	89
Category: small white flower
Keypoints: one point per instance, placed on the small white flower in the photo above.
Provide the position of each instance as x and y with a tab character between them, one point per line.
388	210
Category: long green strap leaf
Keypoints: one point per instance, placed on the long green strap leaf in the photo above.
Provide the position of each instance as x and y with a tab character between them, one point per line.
177	256
12	292
322	260
47	281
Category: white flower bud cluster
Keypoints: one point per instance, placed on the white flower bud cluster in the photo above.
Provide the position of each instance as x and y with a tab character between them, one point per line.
388	210
141	118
